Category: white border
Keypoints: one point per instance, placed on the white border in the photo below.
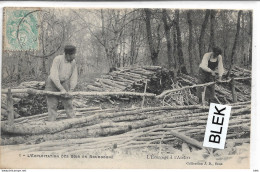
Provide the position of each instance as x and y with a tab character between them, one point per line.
255	130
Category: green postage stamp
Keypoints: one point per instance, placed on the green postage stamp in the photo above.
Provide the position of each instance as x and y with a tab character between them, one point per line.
21	29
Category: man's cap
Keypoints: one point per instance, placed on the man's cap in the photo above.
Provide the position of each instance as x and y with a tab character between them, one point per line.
70	49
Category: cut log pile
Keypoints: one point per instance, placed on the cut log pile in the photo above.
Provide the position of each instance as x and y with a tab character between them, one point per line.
180	127
160	79
125	79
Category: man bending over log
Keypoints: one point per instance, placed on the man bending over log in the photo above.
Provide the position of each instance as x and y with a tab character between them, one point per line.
63	77
210	65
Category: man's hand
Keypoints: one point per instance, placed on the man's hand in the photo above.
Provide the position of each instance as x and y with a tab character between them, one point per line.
30	91
213	73
66	94
220	78
63	91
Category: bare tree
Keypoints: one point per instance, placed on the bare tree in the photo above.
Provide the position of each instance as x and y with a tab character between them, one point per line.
202	33
212	29
190	41
250	36
182	67
232	56
167	28
154	49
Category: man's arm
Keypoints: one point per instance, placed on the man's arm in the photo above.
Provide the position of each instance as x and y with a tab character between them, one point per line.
74	78
204	63
54	74
221	69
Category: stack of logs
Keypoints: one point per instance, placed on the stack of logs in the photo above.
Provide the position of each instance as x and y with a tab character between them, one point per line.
156	80
125	78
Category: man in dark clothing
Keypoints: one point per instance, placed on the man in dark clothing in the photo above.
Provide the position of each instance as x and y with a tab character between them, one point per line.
211	64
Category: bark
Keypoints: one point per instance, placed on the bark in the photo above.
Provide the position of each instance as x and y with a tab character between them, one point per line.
187	139
212	29
154	53
168	39
250	36
232	56
202	33
190	42
182	68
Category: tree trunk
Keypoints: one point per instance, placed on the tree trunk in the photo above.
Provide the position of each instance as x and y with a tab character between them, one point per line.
235	41
250	37
174	37
154	54
43	53
190	41
212	30
182	68
168	39
202	33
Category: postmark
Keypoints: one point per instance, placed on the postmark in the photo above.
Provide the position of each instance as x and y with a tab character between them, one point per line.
21	29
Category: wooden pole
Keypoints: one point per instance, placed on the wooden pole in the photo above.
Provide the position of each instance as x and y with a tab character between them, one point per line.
81	93
10	107
144	93
233	90
203	96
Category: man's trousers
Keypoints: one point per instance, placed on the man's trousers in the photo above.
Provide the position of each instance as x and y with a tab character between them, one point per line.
52	101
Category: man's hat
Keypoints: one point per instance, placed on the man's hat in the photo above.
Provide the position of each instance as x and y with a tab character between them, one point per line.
70	49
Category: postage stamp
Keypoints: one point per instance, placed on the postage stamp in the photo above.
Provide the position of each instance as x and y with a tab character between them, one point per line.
21	29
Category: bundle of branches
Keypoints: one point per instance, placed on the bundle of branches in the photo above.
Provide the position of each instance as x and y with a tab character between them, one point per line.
164	130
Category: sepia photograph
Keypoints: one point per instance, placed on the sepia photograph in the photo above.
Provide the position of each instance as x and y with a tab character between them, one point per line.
126	88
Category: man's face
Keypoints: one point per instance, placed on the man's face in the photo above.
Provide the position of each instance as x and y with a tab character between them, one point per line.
70	57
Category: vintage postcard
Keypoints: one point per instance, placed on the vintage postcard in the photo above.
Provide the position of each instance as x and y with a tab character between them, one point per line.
126	88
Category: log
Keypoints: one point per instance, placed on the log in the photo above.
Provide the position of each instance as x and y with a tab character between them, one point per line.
121	79
179	89
10	108
91	87
43	92
243	69
128	77
152	68
188	140
233	90
111	83
143	72
142	105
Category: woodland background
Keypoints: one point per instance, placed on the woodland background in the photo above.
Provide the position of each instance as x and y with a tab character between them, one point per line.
107	38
